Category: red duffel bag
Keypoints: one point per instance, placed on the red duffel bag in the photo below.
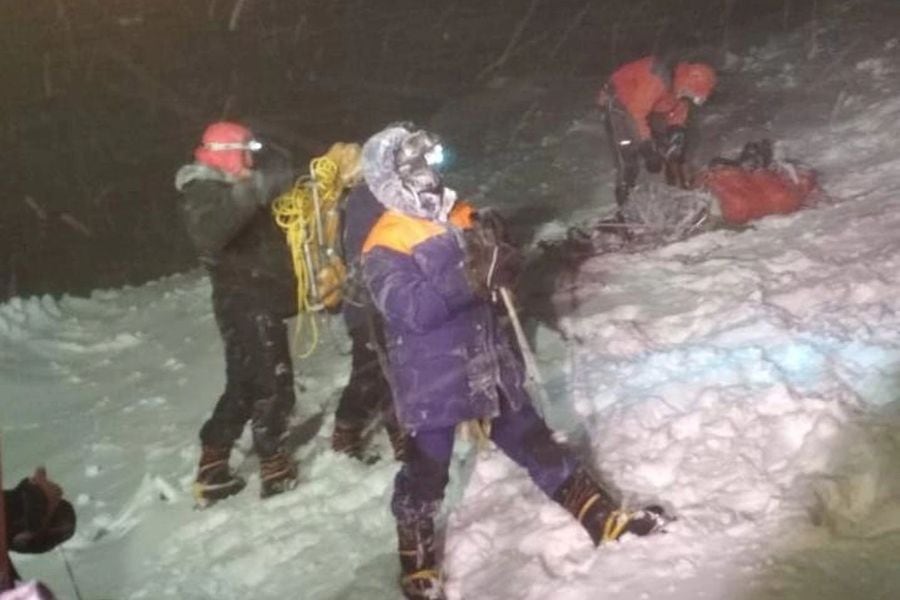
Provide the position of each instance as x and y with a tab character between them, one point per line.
744	195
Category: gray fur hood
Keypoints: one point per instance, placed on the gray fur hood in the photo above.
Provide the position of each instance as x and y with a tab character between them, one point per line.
391	189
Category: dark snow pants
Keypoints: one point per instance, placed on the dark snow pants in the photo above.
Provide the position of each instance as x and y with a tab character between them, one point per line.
624	146
367	395
259	384
521	434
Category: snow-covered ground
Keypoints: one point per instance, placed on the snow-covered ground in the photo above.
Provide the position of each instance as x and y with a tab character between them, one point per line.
748	380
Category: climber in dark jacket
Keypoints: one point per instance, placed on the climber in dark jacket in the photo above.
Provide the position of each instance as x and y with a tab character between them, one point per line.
225	207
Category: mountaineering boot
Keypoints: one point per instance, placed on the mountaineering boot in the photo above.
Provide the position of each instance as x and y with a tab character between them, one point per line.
600	516
420	578
347	438
277	474
398	439
215	480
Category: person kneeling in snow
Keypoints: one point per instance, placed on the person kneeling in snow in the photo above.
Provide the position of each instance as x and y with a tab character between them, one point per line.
450	360
226	208
646	104
754	185
36	520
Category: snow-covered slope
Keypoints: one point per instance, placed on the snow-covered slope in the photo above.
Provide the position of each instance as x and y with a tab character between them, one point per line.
748	380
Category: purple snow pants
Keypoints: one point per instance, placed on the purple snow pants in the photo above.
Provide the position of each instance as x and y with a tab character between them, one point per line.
521	434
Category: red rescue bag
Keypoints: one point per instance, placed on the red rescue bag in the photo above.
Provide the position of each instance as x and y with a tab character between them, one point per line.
744	195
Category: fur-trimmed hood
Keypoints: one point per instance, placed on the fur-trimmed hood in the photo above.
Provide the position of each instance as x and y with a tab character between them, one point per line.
396	192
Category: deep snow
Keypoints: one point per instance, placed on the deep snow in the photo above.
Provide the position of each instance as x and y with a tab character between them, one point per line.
747	379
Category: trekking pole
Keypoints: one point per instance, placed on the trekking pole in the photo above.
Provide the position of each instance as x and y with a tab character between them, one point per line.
70	572
531	368
5	566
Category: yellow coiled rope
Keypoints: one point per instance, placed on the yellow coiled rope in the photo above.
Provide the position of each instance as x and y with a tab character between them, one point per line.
308	214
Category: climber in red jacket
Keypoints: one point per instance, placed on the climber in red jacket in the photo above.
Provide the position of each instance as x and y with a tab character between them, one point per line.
647	104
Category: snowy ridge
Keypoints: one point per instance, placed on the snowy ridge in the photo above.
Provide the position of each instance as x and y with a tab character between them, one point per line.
737	377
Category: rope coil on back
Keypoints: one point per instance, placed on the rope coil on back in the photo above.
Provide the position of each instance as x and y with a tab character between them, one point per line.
308	215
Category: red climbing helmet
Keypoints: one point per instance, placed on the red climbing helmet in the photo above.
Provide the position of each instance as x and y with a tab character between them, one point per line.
694	81
225	145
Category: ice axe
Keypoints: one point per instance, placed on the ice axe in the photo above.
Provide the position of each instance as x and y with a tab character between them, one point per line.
674	170
532	373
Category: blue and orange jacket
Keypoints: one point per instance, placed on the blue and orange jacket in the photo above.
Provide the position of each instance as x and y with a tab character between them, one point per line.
644	88
448	356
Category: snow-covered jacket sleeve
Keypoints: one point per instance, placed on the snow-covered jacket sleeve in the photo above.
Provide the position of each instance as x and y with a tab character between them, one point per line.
414	273
215	212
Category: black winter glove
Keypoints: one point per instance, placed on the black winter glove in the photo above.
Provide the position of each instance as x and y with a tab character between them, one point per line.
38	517
507	267
490	263
491	221
674	145
508	260
652	159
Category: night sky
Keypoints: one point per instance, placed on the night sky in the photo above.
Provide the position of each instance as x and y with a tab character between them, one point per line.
103	99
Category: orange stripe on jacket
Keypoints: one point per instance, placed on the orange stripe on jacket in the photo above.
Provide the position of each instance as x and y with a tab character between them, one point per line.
463	214
401	232
642	91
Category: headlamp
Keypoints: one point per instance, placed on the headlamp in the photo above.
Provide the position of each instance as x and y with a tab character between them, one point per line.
250	146
435	155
